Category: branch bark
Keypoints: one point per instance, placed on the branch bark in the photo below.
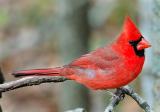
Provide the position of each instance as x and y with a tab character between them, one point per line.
77	110
29	81
141	102
120	94
116	98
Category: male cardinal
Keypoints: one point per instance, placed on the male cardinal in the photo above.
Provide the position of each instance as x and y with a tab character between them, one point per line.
111	66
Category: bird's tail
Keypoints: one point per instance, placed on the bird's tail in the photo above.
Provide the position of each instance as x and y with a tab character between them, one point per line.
39	72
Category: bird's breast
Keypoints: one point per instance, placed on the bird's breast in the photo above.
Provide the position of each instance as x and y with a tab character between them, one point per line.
134	67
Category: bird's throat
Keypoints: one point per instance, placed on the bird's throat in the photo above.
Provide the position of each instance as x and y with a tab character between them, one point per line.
134	44
139	53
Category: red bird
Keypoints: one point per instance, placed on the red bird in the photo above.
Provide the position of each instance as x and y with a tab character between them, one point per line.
112	66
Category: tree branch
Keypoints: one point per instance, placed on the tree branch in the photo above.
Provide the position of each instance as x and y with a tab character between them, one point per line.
29	81
120	94
141	102
77	110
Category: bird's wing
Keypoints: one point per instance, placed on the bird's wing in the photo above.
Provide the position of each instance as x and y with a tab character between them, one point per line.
101	58
99	65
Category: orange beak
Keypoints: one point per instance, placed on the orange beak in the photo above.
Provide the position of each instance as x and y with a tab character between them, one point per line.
143	44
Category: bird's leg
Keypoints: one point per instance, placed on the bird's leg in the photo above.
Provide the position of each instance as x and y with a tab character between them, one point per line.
119	94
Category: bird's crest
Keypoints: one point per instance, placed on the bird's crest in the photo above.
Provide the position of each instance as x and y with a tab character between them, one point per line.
130	29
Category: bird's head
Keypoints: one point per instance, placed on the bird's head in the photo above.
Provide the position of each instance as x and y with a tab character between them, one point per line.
131	37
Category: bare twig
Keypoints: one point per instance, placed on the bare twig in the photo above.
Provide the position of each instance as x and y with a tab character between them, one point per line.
29	81
119	95
116	98
77	110
141	102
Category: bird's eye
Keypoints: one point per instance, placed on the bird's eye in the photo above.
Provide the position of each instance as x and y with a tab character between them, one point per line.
135	42
132	42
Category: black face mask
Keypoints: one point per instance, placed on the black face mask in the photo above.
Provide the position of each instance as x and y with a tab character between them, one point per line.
134	44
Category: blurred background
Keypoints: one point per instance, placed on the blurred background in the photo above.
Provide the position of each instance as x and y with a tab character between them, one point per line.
50	33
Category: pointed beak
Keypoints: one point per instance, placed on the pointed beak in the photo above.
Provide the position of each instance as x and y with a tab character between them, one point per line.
143	44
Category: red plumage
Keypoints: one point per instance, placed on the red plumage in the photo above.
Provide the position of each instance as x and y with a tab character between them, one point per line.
112	66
